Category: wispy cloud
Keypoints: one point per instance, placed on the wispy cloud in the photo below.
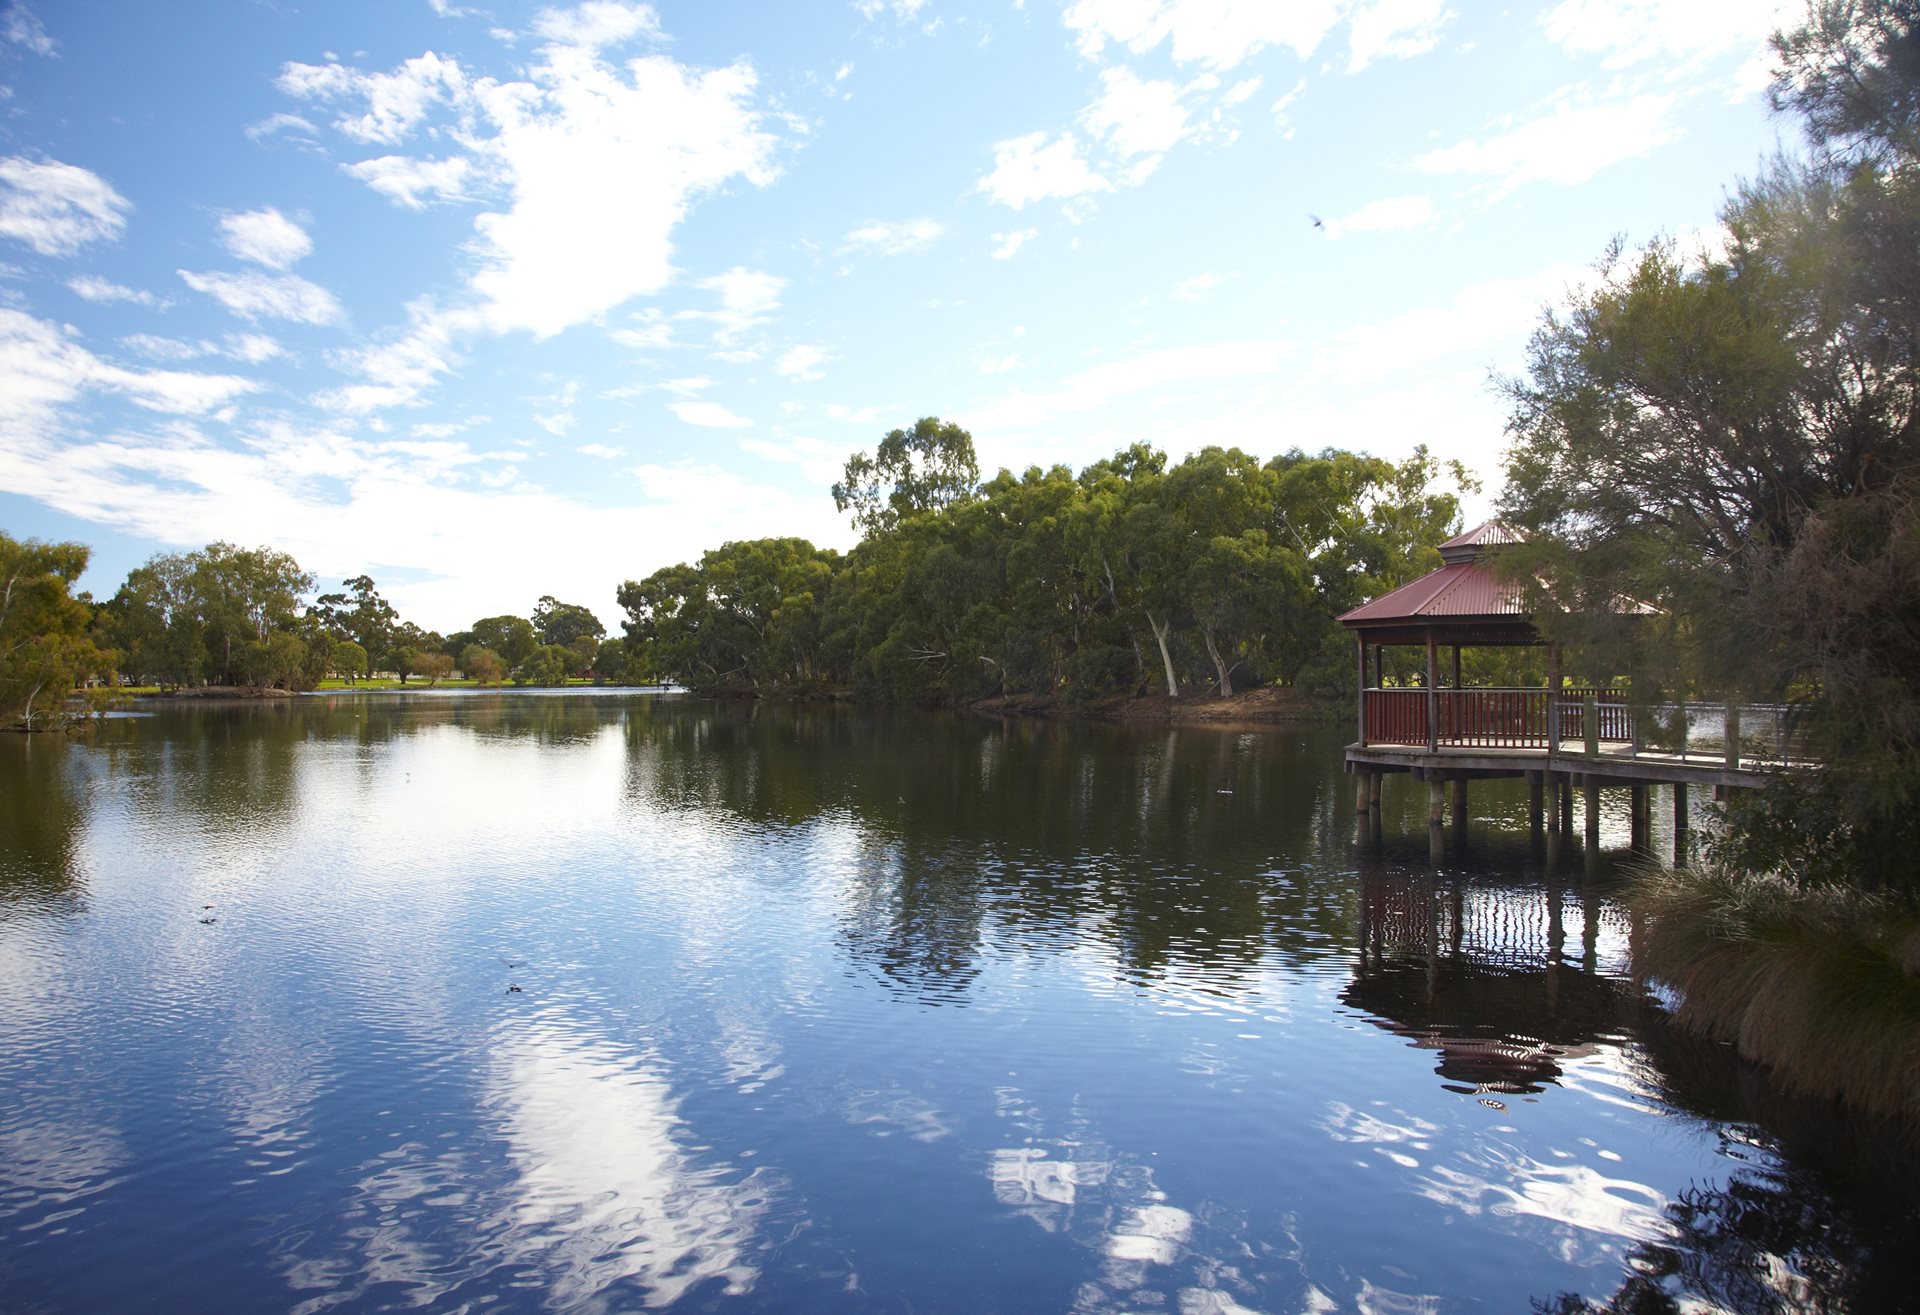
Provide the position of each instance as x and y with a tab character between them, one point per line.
253	295
896	238
57	208
265	237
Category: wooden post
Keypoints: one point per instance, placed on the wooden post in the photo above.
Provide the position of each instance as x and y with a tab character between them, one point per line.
1679	823
1536	787
1642	818
1363	689
1362	796
1566	803
1459	799
1456	666
1733	737
1379	651
1436	829
1373	790
1590	723
1593	811
1433	694
1553	699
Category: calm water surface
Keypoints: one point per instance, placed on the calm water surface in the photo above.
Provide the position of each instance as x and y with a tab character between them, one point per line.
514	1003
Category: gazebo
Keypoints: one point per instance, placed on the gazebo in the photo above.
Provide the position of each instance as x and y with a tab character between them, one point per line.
1442	731
1462	605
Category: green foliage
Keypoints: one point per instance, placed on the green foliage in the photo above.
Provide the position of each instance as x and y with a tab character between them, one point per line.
556	622
512	637
350	660
482	665
1126	577
914	471
548	664
212	615
1735	439
613	663
46	645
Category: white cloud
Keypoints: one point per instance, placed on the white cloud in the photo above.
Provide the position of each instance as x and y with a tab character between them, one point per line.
1283	110
603	169
1216	33
1135	116
1200	285
42	369
1567	146
649	331
820	463
894	239
1394	29
399	371
841	411
57	208
901	9
1392	215
413	182
1629	31
20	27
266	237
748	299
597	23
396	102
279	123
709	415
1028	169
999	364
253	295
800	362
96	289
253	348
599	162
1007	245
600	450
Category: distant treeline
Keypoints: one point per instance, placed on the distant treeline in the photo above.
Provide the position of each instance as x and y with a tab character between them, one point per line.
1222	572
222	615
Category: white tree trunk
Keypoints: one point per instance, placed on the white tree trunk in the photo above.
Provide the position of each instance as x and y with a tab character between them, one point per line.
1160	633
1219	663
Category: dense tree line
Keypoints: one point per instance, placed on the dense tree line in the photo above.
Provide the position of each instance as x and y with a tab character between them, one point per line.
1221	572
1734	436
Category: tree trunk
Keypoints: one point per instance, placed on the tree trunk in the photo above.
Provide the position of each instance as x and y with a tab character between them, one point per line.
1160	633
1219	663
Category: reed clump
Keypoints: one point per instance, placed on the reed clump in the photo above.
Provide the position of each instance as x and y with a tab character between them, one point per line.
1820	985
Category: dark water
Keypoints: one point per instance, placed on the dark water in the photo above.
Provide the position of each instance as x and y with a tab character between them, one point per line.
819	1010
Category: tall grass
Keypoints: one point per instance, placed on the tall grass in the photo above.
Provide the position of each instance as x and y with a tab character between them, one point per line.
1821	986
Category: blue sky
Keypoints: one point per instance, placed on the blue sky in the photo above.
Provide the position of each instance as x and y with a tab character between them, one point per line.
497	301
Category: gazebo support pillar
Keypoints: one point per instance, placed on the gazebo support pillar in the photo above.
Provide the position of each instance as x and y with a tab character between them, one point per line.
1679	823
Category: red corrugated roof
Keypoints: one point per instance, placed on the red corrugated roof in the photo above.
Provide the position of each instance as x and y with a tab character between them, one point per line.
1456	589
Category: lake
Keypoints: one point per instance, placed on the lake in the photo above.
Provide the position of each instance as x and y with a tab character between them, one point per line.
523	1002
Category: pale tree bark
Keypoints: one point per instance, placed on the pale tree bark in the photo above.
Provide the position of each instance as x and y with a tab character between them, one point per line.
1160	633
1219	663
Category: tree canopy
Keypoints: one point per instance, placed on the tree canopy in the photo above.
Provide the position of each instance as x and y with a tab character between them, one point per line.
1733	436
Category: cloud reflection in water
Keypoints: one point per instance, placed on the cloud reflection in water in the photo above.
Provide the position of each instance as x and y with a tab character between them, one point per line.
608	1190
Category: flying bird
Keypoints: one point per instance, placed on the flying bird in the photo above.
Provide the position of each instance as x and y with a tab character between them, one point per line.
1318	222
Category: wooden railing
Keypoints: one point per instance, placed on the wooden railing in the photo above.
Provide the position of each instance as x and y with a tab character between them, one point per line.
1492	718
1518	719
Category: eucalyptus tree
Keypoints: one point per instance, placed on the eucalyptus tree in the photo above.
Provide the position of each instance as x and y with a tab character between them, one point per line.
46	644
912	472
561	623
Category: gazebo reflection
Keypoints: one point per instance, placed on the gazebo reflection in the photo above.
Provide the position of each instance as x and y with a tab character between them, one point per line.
1506	981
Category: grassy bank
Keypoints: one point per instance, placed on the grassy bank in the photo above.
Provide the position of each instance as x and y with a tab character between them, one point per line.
1822	987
